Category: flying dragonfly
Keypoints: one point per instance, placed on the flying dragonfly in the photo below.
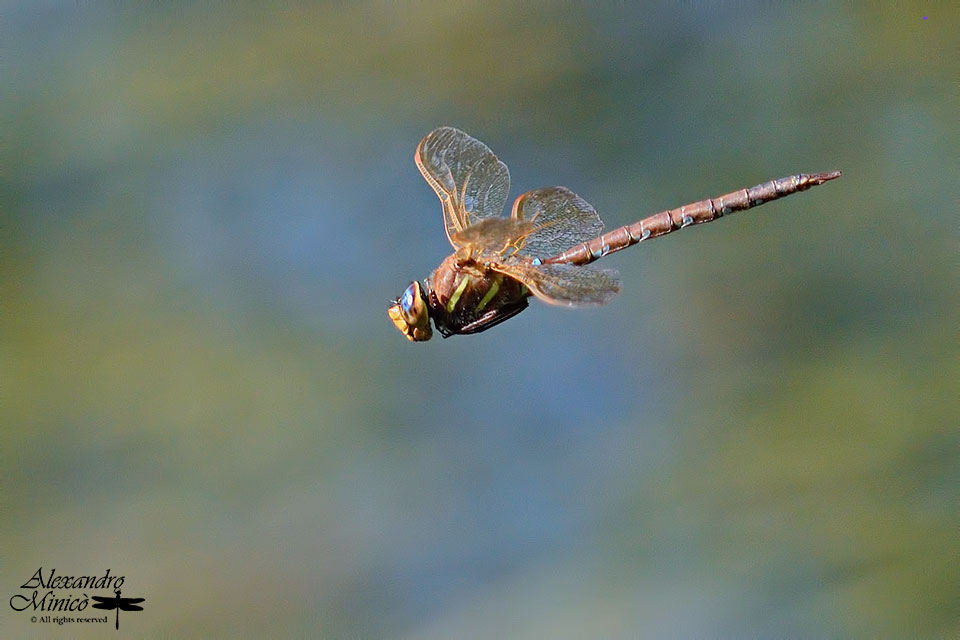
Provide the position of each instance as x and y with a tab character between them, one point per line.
543	249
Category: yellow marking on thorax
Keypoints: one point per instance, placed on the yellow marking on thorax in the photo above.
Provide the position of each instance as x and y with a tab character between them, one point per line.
452	302
492	291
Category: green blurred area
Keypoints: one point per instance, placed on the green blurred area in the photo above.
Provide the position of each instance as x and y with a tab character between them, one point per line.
203	212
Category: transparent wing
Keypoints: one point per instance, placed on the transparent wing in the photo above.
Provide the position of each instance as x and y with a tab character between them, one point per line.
565	285
493	234
468	178
562	219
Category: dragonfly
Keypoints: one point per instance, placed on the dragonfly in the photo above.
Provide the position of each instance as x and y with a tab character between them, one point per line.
544	249
118	603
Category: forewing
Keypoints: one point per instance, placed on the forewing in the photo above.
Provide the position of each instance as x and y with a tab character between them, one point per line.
561	220
104	602
566	285
468	178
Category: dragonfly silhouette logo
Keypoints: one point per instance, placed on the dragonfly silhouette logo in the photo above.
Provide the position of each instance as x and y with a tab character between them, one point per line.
63	599
116	602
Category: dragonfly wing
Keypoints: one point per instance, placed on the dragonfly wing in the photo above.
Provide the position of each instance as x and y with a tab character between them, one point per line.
468	178
130	607
566	285
495	234
562	219
104	603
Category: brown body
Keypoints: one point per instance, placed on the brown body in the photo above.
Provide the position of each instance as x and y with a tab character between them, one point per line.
472	311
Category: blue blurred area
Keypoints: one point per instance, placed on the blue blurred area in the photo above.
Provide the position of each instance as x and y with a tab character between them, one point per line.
206	209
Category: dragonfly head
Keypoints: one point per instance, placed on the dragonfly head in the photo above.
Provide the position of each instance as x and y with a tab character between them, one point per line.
411	314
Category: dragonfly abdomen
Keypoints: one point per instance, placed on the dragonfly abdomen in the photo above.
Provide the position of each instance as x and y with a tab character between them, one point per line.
662	223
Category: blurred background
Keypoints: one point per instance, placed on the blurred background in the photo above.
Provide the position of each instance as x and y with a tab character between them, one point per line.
207	208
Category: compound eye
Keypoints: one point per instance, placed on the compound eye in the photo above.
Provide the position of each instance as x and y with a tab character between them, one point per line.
408	299
411	305
411	315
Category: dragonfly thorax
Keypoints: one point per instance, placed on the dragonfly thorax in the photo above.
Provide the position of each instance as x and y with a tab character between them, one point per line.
467	296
